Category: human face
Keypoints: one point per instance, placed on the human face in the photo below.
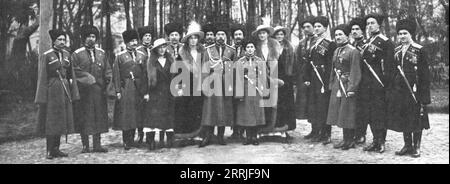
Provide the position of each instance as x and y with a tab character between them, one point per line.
174	37
193	40
340	37
319	29
372	25
60	42
357	32
210	37
250	49
279	36
162	50
147	39
238	36
90	40
221	37
308	29
404	36
132	44
263	35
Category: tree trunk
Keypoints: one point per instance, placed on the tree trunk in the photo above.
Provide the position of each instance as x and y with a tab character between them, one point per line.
61	14
276	13
251	18
161	18
384	9
126	4
54	20
262	7
152	16
138	9
108	44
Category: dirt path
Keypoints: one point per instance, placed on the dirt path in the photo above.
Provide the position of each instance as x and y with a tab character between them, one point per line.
435	149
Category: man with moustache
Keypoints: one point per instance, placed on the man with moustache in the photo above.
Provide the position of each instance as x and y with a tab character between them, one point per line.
217	105
377	67
302	51
358	28
210	38
174	31
56	90
145	34
91	112
130	83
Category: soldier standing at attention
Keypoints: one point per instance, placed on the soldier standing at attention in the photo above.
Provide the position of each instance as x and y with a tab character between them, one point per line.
410	92
377	59
56	90
91	112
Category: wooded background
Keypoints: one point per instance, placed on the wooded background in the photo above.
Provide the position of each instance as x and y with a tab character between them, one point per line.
19	20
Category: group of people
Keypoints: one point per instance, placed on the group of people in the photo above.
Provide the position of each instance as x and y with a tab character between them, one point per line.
182	87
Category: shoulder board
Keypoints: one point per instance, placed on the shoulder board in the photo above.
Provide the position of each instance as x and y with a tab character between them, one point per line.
325	42
99	49
49	51
80	49
213	45
67	52
139	47
120	53
416	45
230	46
138	51
351	46
398	48
383	37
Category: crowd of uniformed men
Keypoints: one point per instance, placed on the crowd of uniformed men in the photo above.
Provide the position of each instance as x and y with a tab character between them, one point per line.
184	85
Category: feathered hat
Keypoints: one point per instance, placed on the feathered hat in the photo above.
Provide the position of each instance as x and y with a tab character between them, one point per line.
193	29
265	26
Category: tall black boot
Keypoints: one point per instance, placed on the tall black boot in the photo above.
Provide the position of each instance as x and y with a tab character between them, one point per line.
374	145
382	140
417	140
59	153
407	148
220	135
161	140
50	146
85	142
255	140
313	132
140	135
326	135
342	143
150	139
131	135
125	139
360	133
248	136
169	139
349	139
96	140
207	137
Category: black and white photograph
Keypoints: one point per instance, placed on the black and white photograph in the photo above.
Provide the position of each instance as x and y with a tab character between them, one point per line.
239	82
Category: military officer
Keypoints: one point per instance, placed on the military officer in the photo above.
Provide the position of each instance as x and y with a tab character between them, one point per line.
91	112
376	67
316	74
217	105
130	84
210	38
174	31
409	93
56	90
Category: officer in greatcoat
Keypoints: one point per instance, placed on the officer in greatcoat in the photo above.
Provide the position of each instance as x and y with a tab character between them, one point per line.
56	90
376	68
130	83
94	74
316	73
409	94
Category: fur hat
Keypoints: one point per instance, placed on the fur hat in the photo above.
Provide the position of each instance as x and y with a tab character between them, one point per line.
144	30
55	33
173	27
344	28
87	30
208	28
359	22
129	35
309	19
408	25
237	27
378	17
222	26
322	20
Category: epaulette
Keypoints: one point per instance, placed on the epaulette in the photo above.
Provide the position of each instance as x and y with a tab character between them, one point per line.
138	51
100	49
120	53
49	51
351	46
211	46
383	37
80	49
139	47
326	42
231	47
416	45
